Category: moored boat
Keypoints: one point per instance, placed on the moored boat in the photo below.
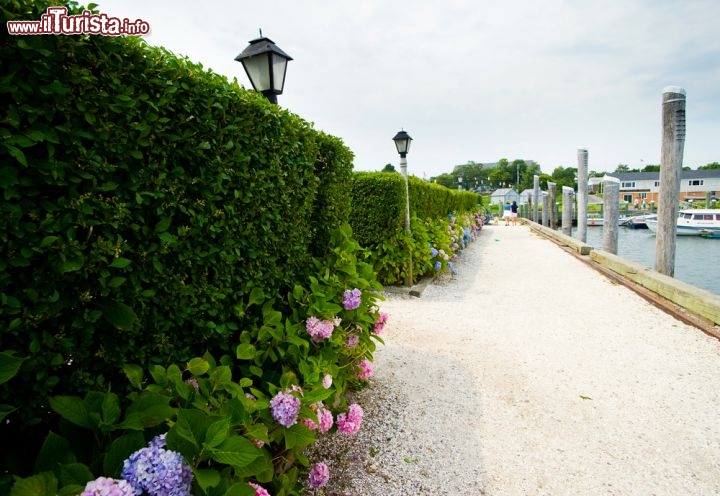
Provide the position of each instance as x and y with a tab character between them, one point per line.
691	221
639	221
710	233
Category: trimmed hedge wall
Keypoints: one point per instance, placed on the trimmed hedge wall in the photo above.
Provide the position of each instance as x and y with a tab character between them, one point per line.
137	190
378	204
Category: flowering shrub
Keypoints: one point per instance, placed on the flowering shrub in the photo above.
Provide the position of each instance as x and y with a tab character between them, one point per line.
237	423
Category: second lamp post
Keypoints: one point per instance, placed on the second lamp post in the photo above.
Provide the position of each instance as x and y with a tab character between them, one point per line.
402	143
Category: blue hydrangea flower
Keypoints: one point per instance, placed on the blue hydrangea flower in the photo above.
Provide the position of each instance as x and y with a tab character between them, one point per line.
438	266
433	252
158	472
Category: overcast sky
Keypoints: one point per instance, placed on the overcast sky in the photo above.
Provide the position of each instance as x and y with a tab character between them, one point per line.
468	79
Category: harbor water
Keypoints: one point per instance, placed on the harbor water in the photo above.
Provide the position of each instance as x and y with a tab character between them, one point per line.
697	260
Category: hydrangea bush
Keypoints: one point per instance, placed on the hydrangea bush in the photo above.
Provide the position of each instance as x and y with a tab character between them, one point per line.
230	425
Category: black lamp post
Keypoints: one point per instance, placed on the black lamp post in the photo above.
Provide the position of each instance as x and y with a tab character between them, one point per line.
402	143
265	65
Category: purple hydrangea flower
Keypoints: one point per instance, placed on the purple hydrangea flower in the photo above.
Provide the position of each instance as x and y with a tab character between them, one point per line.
352	340
319	475
104	486
158	472
325	419
351	299
285	408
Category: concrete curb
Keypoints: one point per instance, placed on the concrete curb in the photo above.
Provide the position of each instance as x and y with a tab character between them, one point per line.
688	303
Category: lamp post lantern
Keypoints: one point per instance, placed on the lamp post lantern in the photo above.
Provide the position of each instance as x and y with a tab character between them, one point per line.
402	143
460	178
265	65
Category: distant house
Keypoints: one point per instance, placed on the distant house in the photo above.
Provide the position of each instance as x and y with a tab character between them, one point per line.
644	187
504	195
524	195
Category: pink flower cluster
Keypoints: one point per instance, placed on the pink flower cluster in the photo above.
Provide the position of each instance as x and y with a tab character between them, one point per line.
324	416
365	369
380	323
349	423
321	329
259	490
327	381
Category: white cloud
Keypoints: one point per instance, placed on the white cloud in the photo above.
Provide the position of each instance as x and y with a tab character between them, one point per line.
472	80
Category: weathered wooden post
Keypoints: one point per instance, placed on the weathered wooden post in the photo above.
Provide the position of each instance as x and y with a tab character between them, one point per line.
612	213
552	191
708	197
567	213
671	157
536	196
529	205
582	196
546	201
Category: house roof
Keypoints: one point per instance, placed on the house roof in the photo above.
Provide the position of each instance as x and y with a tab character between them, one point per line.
503	191
684	174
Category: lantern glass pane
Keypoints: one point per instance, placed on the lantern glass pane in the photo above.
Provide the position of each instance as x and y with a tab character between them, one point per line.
279	68
258	71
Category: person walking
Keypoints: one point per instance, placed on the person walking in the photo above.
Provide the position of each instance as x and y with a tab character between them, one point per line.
507	214
513	212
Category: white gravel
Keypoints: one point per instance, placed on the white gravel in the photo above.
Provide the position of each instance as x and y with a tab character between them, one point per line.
530	373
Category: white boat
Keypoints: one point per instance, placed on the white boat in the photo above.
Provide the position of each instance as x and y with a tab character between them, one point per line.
599	220
639	221
691	222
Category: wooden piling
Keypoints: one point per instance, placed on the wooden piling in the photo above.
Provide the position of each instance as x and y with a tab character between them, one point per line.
536	196
671	157
552	192
567	212
582	195
611	206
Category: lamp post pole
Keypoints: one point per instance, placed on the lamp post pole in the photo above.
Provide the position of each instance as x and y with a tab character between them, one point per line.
402	143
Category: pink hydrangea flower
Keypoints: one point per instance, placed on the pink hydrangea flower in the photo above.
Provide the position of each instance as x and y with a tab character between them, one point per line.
258	442
327	381
380	323
319	475
365	369
320	329
105	486
309	423
349	423
259	490
325	420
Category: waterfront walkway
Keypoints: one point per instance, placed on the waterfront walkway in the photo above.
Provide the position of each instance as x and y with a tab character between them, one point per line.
532	374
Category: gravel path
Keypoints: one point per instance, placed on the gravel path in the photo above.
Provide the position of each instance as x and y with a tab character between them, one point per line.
529	373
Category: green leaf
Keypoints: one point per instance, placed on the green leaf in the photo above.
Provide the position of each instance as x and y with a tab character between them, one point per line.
256	297
9	366
151	409
6	410
163	225
18	154
119	450
120	262
42	484
217	433
110	408
191	425
235	451
240	489
298	436
55	451
245	352
208	478
75	473
72	265
118	314
73	409
134	373
198	366
48	240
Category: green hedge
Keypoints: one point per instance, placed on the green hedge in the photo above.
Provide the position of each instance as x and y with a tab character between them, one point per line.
378	204
143	199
